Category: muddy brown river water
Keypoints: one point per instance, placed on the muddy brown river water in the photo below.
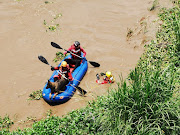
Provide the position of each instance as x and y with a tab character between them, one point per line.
100	26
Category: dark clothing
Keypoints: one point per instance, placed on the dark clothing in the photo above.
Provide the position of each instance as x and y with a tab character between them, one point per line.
75	62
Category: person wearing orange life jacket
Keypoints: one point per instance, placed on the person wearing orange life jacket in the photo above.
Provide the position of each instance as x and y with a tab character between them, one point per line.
109	78
64	70
75	49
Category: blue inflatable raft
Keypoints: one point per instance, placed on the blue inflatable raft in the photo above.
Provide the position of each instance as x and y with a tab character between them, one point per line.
70	89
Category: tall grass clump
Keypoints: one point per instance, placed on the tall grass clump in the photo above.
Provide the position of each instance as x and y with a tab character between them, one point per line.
146	103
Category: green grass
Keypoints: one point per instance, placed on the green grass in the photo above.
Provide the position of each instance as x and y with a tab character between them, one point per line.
47	2
59	56
146	103
5	124
35	95
52	27
154	5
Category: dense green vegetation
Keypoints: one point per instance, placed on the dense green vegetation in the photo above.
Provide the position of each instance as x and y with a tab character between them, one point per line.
5	123
146	103
59	56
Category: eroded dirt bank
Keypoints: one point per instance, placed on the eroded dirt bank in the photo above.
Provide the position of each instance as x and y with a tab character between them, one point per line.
100	26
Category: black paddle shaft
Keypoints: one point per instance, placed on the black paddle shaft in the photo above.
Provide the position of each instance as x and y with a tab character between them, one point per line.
95	64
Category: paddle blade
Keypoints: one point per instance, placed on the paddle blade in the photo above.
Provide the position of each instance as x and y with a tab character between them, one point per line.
41	58
95	64
83	92
56	45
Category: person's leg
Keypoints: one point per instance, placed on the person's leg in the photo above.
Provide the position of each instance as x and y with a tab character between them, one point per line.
56	77
70	62
77	63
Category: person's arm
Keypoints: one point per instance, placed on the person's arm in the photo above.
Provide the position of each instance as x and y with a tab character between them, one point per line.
97	75
84	52
70	76
54	68
69	49
112	79
98	78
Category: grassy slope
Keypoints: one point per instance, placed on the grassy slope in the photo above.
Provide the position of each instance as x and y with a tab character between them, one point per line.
149	105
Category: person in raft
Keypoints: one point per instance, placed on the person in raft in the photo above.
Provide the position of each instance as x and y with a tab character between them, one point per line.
64	70
109	78
76	49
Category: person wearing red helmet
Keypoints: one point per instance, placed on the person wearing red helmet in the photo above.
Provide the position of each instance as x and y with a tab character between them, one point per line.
76	50
63	70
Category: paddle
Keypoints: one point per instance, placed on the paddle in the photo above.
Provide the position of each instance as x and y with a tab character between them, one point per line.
95	64
42	59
